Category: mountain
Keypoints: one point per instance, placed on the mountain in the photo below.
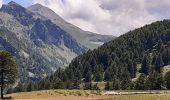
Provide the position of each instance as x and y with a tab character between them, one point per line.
39	45
138	59
85	38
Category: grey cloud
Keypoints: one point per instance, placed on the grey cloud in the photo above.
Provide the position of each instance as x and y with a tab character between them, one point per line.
160	8
113	17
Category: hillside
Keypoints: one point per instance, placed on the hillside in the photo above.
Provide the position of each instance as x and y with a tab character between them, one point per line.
144	51
39	45
85	38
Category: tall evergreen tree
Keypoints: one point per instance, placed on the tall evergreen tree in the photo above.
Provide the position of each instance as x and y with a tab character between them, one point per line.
88	86
88	77
140	82
145	64
30	87
108	86
167	80
107	76
131	69
154	81
8	70
159	63
160	45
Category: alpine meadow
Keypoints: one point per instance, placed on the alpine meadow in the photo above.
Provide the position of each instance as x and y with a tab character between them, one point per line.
93	50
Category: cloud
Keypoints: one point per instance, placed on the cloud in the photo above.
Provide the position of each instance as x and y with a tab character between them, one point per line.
113	17
1	2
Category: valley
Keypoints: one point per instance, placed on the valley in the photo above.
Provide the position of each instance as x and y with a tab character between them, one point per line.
90	95
44	57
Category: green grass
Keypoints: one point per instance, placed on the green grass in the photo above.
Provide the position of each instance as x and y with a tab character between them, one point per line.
63	92
46	94
101	85
141	97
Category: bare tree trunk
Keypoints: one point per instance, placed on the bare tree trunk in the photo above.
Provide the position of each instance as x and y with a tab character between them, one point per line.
2	84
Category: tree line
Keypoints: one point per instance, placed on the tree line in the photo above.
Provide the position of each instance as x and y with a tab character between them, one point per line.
144	52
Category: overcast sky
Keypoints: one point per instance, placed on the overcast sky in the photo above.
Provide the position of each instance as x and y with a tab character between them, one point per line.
114	17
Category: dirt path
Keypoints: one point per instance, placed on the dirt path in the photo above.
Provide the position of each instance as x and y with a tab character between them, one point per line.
130	93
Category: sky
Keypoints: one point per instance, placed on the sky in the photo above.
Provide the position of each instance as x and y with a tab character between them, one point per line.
112	17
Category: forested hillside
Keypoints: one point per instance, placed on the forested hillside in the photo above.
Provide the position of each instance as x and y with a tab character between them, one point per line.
134	60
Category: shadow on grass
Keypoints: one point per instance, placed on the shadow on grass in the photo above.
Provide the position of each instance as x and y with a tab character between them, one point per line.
6	98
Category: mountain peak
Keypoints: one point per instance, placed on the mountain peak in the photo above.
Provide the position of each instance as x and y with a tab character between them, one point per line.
37	5
11	7
12	3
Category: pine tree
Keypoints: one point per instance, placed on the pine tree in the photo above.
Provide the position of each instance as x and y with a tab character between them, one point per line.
145	64
98	76
88	86
30	87
76	84
159	63
108	86
140	82
167	80
131	69
107	76
20	88
116	84
160	45
154	81
125	80
166	56
88	77
8	70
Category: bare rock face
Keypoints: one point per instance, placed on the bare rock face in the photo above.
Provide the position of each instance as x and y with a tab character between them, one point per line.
41	43
85	38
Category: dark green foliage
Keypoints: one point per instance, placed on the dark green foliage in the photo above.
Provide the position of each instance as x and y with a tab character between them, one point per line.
116	84
160	45
109	86
88	86
159	63
30	87
140	82
166	56
167	80
125	80
107	76
8	70
95	86
145	67
88	77
20	88
76	84
154	81
131	69
117	61
9	91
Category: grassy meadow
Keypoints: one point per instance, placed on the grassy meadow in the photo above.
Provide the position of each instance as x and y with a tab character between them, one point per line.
85	95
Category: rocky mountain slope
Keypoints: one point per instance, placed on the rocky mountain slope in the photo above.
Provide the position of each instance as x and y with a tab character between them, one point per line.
138	59
40	45
85	38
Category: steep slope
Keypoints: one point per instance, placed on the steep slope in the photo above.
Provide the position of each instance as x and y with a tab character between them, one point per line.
142	50
39	45
87	39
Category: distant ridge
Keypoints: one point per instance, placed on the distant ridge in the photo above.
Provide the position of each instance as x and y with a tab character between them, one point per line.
41	45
